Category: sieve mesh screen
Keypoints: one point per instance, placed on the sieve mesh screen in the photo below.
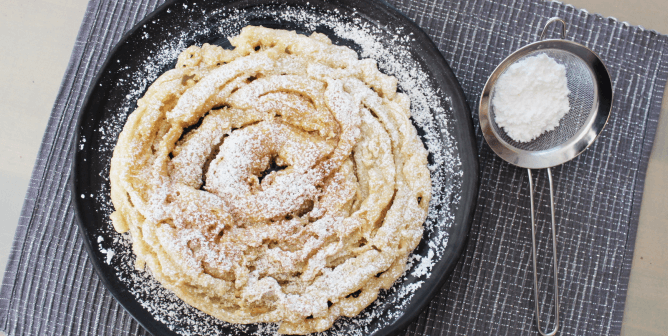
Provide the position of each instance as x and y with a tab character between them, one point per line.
581	100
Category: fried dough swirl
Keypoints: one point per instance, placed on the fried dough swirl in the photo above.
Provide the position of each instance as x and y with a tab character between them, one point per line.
281	181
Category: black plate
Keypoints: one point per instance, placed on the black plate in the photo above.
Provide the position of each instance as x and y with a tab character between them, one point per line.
151	47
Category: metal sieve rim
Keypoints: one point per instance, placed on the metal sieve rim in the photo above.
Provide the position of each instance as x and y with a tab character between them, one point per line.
568	150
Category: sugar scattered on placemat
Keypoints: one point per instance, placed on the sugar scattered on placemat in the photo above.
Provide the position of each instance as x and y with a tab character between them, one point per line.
428	111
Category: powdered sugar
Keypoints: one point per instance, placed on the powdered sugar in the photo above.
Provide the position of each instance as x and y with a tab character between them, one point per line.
531	97
394	58
425	265
109	252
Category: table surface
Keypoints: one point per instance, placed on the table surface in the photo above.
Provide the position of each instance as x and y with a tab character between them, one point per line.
38	37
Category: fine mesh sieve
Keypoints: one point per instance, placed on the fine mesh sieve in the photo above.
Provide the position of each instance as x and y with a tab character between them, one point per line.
581	100
590	101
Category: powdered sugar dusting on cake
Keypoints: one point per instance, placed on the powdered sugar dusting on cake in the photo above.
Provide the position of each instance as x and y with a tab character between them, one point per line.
426	105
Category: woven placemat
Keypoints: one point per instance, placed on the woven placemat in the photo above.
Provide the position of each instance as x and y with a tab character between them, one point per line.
50	287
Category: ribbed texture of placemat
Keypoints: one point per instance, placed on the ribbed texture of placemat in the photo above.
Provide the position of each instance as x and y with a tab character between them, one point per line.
50	287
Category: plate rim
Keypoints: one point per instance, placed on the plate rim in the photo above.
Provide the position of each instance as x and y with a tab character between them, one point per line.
468	155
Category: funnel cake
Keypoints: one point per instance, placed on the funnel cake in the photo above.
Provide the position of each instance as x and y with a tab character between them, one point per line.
281	181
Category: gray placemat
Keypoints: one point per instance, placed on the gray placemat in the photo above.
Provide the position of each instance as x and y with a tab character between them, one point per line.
50	288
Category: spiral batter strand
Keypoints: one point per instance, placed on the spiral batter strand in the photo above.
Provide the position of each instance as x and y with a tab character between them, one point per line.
281	181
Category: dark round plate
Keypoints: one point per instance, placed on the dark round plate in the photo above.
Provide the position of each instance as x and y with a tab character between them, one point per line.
375	30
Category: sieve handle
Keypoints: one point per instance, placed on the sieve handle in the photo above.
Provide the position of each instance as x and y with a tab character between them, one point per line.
554	251
551	21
